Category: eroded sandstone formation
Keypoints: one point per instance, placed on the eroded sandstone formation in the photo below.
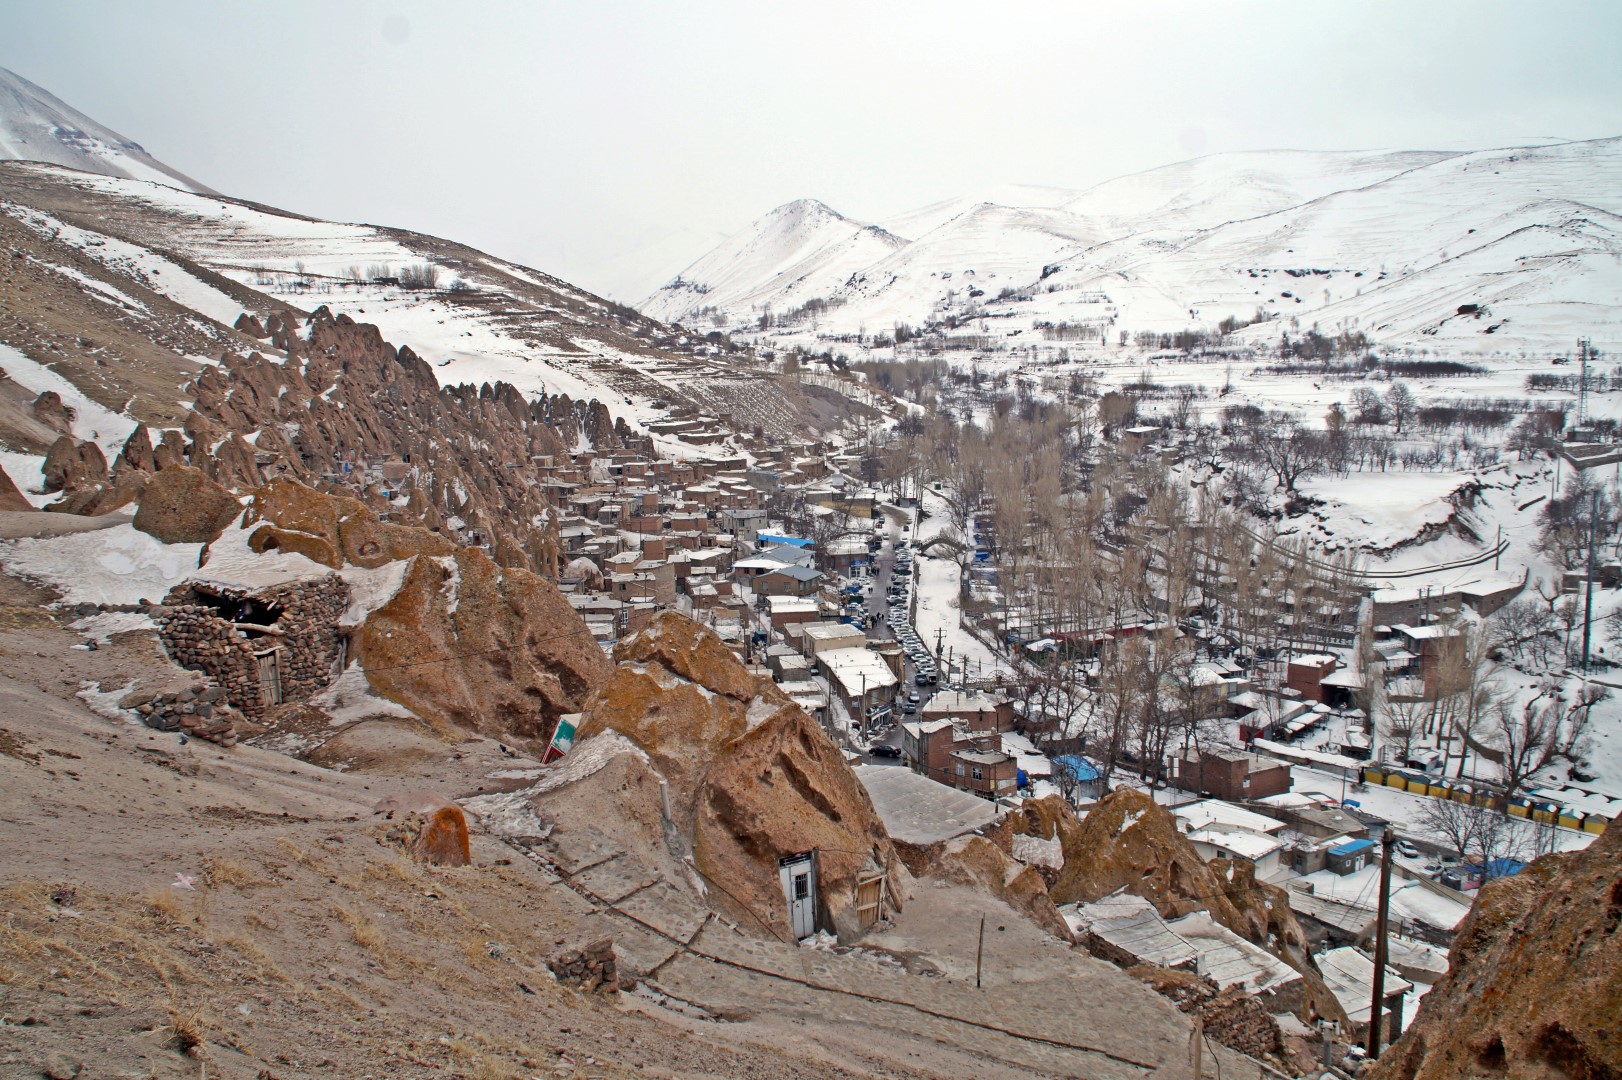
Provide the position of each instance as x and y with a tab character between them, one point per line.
746	775
466	643
1534	984
1129	842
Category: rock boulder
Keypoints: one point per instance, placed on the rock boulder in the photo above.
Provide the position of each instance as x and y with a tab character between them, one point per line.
1534	986
466	644
748	777
180	505
71	465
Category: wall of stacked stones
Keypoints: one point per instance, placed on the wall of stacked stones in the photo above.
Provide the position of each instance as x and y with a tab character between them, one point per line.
197	636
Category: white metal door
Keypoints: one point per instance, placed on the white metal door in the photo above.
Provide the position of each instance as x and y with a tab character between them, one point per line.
798	874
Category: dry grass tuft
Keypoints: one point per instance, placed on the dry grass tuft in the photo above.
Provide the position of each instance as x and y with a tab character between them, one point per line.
249	950
253	918
185	1031
217	872
296	853
364	931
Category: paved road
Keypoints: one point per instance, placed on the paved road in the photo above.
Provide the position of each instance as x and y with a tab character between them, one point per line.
883	574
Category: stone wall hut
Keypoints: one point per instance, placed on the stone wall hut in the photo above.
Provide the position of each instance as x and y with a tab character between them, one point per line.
264	642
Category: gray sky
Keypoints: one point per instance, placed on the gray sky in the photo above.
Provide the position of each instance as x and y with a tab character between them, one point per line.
612	143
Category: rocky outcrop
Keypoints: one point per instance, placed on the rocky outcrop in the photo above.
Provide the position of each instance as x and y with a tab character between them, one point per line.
71	465
123	489
977	862
1129	842
11	498
49	410
1534	982
182	506
332	530
466	644
346	398
746	776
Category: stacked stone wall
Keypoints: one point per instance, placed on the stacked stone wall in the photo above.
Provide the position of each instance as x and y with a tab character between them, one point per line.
198	635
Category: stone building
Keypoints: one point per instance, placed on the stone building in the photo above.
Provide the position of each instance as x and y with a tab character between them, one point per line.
263	645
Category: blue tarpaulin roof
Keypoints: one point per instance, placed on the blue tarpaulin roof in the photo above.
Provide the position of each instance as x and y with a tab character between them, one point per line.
791	541
1080	768
1351	847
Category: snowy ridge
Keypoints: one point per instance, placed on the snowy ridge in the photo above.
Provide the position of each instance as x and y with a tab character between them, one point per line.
797	252
1391	244
35	125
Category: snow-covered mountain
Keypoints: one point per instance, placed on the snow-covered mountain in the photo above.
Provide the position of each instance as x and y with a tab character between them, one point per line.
36	125
1391	243
798	252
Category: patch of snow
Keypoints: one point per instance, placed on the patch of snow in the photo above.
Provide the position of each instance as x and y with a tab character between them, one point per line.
114	566
91	421
451	590
350	698
104	703
101	628
1128	820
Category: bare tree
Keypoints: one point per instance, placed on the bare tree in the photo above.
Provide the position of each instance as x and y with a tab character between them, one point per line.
1399	401
1481	835
1291	453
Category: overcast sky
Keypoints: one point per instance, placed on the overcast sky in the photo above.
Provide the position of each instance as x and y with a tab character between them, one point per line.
613	143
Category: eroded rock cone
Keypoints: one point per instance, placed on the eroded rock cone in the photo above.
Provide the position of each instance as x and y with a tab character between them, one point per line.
49	410
137	452
750	776
11	497
182	506
71	465
511	655
250	325
1534	983
1127	841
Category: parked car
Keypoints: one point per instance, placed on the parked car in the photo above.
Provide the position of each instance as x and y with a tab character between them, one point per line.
1407	850
885	751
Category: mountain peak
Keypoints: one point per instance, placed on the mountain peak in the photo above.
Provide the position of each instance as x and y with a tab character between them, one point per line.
36	125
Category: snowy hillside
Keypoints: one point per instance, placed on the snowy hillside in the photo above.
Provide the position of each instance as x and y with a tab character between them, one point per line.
146	282
1391	244
798	252
35	125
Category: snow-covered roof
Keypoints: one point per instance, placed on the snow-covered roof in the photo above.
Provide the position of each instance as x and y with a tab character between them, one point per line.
918	810
1246	845
1208	812
858	671
1350	977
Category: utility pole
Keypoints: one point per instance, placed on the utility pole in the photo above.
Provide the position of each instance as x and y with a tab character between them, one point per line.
1588	608
1377	1010
1582	388
979	952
